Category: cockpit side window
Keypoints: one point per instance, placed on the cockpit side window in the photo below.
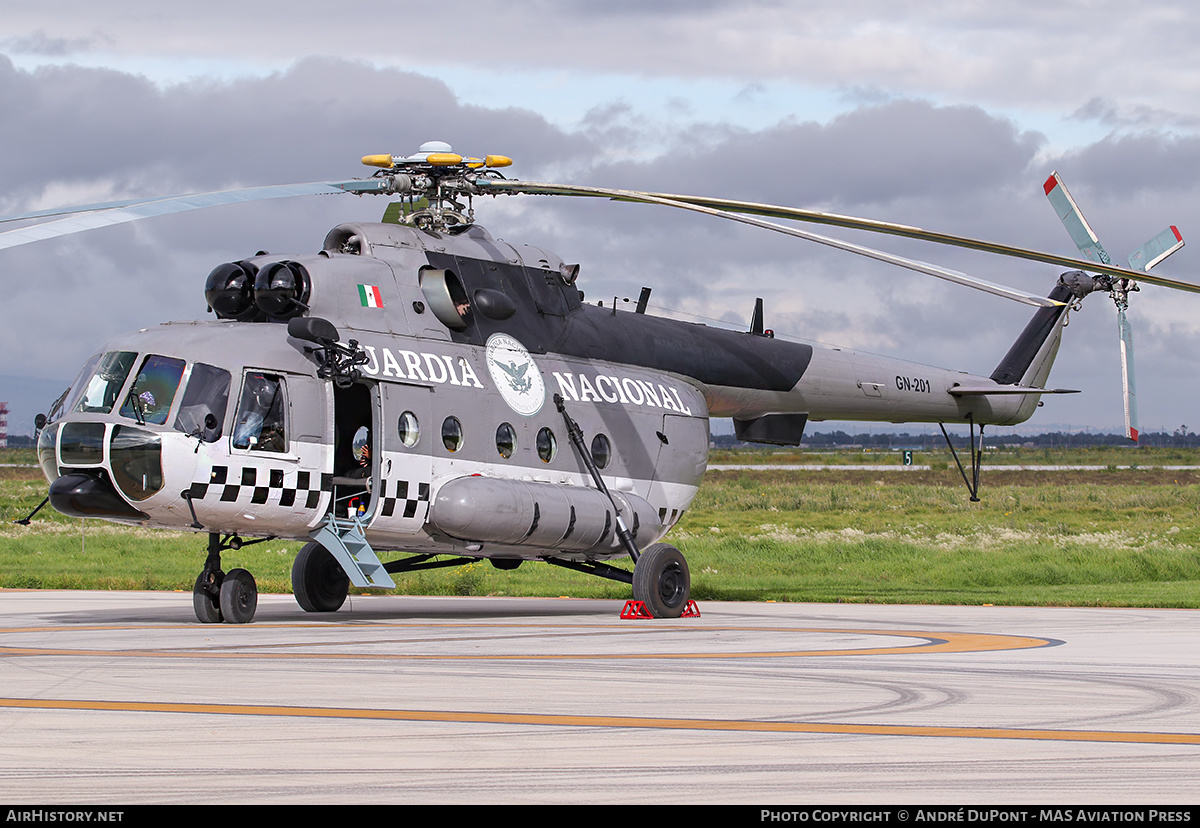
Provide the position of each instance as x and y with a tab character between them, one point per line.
205	398
259	424
102	385
150	397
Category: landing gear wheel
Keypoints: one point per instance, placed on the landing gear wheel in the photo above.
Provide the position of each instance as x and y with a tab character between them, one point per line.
239	597
661	580
318	581
205	601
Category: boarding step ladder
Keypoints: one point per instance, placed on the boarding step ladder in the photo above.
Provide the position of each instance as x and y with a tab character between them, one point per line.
344	539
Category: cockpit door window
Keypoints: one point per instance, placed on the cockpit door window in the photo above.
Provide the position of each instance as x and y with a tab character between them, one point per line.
205	399
260	422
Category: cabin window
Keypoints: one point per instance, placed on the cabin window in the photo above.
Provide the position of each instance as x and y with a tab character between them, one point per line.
409	429
104	382
547	445
206	395
452	434
260	424
601	451
506	440
153	390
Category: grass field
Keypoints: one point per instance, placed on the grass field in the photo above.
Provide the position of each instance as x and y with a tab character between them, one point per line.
1112	536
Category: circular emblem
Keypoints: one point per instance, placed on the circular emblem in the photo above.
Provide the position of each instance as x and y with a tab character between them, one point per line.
513	371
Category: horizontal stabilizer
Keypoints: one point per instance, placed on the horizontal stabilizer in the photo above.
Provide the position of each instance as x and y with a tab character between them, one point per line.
979	390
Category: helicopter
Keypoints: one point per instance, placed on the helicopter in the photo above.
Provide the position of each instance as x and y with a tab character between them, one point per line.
420	387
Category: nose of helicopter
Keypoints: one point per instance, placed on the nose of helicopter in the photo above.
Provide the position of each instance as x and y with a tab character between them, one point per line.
102	469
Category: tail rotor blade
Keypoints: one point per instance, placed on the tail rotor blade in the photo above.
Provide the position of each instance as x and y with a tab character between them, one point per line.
1131	418
1157	249
1081	232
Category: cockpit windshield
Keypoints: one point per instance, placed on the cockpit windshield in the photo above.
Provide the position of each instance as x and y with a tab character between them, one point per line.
150	397
103	383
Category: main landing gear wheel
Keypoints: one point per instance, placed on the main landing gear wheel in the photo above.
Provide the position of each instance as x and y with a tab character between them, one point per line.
661	580
239	597
318	581
206	600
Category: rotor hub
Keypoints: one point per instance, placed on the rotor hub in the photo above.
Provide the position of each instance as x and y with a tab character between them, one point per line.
434	179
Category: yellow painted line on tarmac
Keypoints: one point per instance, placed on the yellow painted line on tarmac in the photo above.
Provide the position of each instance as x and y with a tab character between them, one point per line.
931	642
462	717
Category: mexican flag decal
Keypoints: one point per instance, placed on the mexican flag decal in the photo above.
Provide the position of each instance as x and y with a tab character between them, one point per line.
370	296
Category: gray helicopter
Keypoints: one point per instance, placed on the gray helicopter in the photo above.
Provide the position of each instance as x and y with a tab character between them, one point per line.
422	388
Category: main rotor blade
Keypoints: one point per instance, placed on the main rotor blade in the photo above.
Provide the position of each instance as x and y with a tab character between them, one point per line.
858	249
103	215
851	222
66	211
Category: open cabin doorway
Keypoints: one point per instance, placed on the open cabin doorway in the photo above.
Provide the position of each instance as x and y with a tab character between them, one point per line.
355	450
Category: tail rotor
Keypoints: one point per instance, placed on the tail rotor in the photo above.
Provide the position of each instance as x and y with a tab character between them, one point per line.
1145	257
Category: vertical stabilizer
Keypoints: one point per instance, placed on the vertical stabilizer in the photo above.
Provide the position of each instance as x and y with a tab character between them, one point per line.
1029	359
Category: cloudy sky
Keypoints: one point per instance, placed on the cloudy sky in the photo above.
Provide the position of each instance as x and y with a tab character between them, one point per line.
945	115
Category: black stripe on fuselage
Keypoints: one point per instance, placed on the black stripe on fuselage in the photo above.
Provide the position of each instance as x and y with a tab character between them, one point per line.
551	318
711	355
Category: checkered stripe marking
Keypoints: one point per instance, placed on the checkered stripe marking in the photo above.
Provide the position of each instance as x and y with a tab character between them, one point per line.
408	496
262	484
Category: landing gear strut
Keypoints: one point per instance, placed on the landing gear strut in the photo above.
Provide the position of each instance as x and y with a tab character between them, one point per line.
219	596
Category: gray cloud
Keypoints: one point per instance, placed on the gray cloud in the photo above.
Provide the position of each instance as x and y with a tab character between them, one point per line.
1020	54
39	43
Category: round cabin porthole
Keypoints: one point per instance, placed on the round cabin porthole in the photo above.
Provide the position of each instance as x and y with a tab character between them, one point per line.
506	440
452	434
601	451
547	445
408	428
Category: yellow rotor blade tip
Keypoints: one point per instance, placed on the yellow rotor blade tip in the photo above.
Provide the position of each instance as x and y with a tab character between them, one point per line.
384	161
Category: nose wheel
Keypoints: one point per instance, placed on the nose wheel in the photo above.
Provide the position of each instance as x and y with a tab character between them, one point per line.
224	596
239	597
206	597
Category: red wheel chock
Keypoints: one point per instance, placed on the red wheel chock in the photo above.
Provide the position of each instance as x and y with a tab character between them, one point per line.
637	609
